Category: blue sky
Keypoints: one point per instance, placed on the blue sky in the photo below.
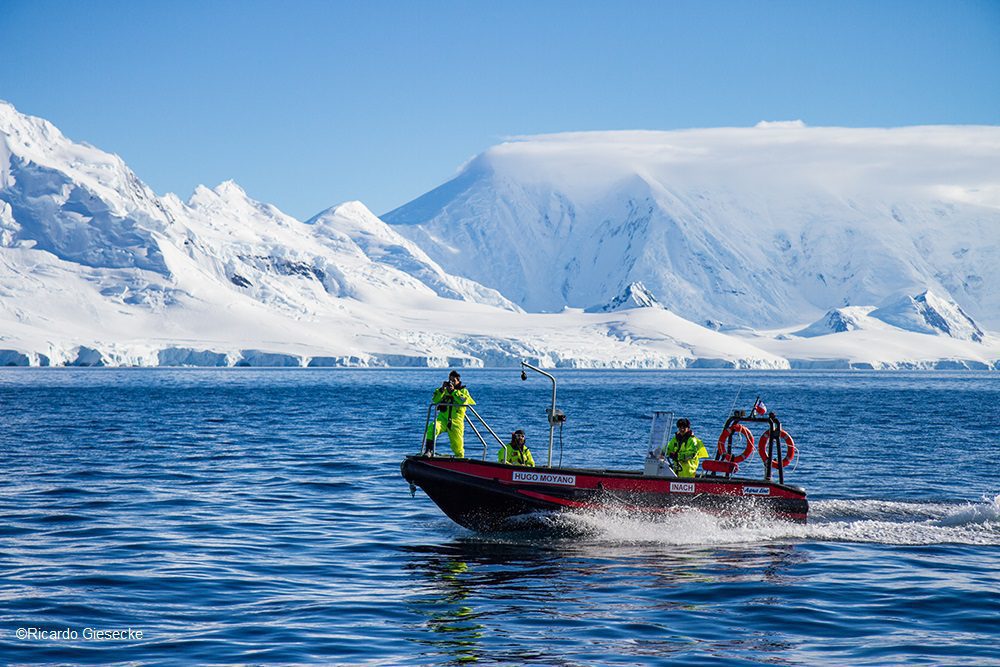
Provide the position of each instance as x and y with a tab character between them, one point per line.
308	104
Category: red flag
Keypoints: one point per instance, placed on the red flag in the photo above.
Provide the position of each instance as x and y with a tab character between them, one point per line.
759	407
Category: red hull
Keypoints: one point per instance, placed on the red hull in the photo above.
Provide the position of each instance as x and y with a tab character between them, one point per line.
483	496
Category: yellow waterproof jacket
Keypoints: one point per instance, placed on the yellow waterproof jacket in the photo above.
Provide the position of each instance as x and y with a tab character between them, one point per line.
461	396
688	454
509	454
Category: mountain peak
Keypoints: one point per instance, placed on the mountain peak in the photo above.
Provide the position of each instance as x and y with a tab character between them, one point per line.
226	193
27	133
837	320
635	295
202	195
7	109
9	114
352	209
927	312
230	188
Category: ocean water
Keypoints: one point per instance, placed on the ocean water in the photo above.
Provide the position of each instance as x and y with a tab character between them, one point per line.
258	516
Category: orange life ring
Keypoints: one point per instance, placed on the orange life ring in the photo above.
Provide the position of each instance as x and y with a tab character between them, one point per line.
789	449
737	428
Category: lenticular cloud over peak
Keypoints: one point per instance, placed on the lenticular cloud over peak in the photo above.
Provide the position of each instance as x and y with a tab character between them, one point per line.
787	124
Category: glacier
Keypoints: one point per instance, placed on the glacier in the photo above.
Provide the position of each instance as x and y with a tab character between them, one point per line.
98	270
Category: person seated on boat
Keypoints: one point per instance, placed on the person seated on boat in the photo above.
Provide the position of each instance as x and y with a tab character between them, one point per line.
516	451
685	450
451	398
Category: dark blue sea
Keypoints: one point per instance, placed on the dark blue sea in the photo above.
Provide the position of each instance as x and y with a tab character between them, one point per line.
258	516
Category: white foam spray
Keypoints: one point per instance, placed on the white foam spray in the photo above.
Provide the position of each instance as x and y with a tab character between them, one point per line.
868	521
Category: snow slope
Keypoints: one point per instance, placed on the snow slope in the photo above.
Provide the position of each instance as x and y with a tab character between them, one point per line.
877	347
766	226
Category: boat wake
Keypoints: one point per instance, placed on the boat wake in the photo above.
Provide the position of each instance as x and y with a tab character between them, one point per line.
867	521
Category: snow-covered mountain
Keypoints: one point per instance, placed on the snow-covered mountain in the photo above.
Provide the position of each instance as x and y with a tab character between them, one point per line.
97	269
635	295
924	313
838	320
382	245
897	334
765	226
928	313
91	256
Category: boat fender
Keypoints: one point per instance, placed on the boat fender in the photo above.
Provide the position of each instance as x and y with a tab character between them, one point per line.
747	435
789	449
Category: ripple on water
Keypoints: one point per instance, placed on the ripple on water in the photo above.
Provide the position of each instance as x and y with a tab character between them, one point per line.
247	517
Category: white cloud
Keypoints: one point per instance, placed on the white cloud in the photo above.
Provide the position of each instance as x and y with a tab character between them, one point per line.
781	123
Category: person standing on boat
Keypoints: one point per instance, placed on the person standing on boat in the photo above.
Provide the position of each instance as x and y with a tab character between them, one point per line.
516	451
451	397
684	450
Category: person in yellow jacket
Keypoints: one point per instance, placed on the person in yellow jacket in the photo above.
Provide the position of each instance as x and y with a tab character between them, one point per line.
516	451
684	450
451	396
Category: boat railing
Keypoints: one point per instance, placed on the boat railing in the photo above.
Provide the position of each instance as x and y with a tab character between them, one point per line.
774	446
432	408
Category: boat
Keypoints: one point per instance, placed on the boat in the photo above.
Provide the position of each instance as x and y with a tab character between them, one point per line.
486	496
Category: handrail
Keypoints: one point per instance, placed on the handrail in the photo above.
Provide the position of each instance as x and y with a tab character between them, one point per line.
430	411
495	436
551	411
476	431
773	439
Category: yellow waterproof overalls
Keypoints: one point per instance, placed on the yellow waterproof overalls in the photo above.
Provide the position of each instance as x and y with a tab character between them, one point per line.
518	457
688	454
450	418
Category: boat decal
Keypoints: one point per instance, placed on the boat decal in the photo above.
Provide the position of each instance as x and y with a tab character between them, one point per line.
756	491
681	487
543	478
